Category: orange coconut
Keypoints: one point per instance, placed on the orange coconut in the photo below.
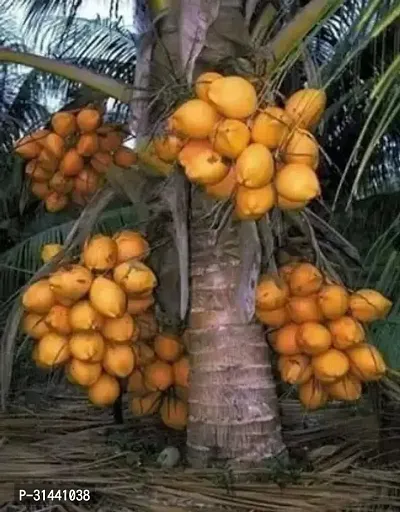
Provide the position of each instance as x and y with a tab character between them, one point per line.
135	277
86	182
368	305
301	148
366	362
125	157
47	160
144	354
273	318
333	301
130	244
348	388
346	332
295	369
64	123
101	161
233	97
36	172
181	372
285	340
271	292
136	384
304	309
119	360
285	271
60	183
271	127
158	376
253	203
100	253
71	163
313	338
87	346
297	182
285	204
104	391
56	202
136	306
191	149
71	281
119	330
305	279
330	365
147	325
203	83
34	326
168	147
88	120
39	297
306	107
83	373
312	394
40	189
88	144
225	188
58	319
146	405
255	166
55	144
53	349
27	148
195	119
107	297
230	137
206	168
168	347
111	140
83	317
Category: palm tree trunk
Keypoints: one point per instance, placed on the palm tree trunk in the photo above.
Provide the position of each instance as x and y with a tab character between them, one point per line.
233	404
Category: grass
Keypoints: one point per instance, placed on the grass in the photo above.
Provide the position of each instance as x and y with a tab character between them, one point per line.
338	459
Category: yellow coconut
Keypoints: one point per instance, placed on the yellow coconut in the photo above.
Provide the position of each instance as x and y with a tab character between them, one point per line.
100	253
104	391
346	332
138	305
53	349
255	166
253	203
130	245
119	360
146	405
285	204
158	376
203	83
83	317
107	297
312	394
144	354
368	305
271	127
82	373
136	384
271	292
333	301
331	365
366	362
168	347
305	280
306	107
348	388
313	338
195	119
119	330
230	137
233	97
285	340
71	281
168	147
225	188
39	298
135	277
297	182
273	318
174	413
304	309
301	148
87	346
207	168
34	326
58	319
295	369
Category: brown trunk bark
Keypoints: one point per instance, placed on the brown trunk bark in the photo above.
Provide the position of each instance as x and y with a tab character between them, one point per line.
233	409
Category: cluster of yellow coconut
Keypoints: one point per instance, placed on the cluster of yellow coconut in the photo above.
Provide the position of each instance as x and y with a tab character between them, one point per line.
260	157
68	161
319	333
160	380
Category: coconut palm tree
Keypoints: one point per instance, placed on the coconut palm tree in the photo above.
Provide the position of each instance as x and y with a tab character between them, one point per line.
233	407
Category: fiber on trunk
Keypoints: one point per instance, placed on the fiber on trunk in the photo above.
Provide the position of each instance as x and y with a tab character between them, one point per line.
233	413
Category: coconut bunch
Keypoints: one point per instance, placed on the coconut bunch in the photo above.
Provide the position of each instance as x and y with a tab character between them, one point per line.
319	333
159	384
68	162
87	316
258	157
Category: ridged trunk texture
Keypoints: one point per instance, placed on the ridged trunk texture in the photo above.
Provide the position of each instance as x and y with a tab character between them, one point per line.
233	410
